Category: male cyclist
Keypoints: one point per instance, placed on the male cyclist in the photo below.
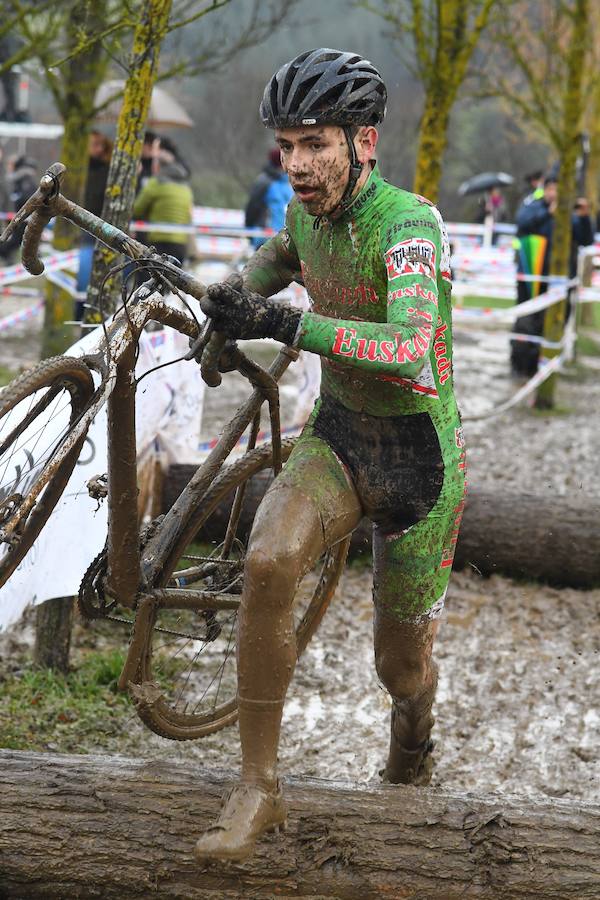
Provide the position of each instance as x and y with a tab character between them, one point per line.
384	439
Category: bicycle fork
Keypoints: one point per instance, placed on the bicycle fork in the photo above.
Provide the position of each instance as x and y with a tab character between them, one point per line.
122	580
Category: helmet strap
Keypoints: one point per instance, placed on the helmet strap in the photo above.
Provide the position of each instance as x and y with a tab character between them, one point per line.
356	167
354	174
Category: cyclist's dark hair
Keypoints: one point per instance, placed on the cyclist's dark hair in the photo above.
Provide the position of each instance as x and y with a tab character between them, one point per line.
334	87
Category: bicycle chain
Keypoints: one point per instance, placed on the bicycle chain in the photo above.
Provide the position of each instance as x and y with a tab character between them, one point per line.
91	600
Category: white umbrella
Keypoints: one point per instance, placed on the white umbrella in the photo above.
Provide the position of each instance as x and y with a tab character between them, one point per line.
164	111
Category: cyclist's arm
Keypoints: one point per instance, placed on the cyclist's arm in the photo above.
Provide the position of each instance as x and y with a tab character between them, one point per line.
276	263
400	345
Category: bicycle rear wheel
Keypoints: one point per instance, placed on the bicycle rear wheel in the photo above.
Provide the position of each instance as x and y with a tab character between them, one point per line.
186	685
37	411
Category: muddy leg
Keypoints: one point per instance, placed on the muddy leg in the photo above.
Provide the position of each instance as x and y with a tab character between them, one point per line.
294	525
404	665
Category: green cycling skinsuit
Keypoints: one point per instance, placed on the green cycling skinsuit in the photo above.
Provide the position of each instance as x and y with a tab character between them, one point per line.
379	282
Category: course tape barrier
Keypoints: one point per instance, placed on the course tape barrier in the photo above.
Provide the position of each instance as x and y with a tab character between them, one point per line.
512	313
12	274
547	368
64	281
23	315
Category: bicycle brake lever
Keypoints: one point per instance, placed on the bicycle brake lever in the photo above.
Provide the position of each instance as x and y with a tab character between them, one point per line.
197	348
209	365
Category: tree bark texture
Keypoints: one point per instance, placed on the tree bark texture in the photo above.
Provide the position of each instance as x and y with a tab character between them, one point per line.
444	44
553	539
122	177
53	622
74	93
119	829
572	112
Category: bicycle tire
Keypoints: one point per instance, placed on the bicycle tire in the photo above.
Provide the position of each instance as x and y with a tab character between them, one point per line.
158	706
53	377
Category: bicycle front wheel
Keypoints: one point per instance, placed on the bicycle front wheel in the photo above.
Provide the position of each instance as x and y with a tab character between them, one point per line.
187	683
37	411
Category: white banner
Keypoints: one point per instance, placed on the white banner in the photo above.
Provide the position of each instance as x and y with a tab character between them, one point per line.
168	416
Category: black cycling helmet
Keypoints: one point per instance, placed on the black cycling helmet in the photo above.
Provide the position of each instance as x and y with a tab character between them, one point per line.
329	87
333	87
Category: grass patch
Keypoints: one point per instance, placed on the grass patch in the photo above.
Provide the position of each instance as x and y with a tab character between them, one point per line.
485	302
43	710
586	346
554	412
6	375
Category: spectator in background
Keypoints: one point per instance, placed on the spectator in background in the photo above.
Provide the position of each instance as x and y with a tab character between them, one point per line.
535	184
269	197
149	147
10	44
100	149
495	205
535	226
166	197
99	153
22	181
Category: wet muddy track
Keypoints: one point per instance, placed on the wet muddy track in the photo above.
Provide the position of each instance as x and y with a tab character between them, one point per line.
517	707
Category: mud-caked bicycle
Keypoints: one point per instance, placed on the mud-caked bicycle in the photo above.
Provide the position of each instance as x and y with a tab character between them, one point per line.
176	600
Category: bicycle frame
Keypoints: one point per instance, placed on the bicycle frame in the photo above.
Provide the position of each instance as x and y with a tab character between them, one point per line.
131	571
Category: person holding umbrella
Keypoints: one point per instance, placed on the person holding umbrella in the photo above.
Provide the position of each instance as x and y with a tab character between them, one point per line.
489	184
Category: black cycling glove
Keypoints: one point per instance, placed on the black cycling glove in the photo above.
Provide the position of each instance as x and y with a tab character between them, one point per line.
242	314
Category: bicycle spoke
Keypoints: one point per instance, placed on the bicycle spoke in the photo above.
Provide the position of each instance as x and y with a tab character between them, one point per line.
30	450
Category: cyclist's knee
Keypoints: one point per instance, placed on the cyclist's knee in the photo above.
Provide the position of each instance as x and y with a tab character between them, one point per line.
287	527
403	656
402	678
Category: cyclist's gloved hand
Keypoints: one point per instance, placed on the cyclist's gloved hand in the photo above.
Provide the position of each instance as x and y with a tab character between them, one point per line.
242	314
228	359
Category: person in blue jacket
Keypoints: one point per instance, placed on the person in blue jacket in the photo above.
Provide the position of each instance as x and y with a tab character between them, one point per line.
268	199
535	216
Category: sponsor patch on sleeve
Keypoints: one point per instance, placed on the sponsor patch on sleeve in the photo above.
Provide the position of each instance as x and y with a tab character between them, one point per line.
415	256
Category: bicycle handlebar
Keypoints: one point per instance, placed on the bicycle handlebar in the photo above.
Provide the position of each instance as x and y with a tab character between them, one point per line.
47	202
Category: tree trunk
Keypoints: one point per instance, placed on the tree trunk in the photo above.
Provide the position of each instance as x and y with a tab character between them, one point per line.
122	177
53	634
554	539
433	137
81	77
554	318
109	827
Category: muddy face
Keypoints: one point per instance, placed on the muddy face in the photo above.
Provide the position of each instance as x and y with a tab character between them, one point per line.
317	160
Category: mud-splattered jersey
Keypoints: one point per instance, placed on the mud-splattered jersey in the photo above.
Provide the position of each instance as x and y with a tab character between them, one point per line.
380	318
379	283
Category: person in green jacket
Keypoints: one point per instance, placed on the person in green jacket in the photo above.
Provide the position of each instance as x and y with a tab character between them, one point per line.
166	198
384	440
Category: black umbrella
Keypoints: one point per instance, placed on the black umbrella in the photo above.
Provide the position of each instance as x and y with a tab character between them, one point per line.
484	182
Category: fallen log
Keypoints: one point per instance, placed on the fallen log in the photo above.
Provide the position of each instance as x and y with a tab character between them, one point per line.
110	827
551	539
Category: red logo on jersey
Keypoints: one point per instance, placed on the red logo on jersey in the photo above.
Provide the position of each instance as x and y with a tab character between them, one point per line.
389	352
440	350
413	257
412	290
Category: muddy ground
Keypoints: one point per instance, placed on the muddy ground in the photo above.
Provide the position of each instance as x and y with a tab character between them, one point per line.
518	703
